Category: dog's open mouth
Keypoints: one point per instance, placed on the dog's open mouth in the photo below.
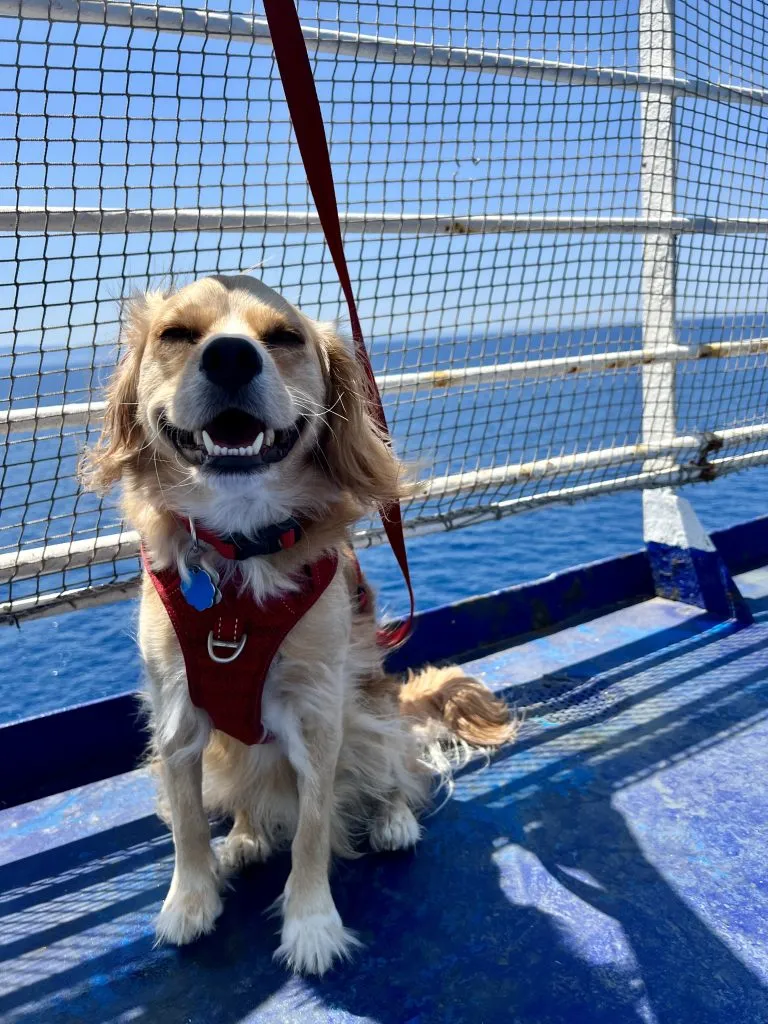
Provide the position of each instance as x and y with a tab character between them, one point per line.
234	442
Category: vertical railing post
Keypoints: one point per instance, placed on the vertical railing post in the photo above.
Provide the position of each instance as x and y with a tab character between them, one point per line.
657	196
657	184
685	564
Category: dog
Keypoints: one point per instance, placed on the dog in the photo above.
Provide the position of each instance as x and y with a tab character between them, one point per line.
230	415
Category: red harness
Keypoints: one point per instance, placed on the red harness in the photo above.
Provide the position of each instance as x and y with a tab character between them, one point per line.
229	647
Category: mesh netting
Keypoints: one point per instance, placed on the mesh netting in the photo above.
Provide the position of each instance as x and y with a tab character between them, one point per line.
541	264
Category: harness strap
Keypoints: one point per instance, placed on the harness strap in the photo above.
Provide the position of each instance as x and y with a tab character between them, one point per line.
228	648
304	107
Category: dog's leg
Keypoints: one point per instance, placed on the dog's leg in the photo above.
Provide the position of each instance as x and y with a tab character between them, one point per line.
313	936
245	844
193	902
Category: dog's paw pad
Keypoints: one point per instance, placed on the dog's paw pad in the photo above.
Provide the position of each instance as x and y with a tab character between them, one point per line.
396	828
312	944
237	851
188	913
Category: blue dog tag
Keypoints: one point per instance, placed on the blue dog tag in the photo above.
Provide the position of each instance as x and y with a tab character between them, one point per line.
201	590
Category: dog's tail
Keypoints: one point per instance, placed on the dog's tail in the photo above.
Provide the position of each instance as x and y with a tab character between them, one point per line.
451	709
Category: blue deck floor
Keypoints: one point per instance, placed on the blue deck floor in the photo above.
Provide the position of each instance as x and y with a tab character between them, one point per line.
609	867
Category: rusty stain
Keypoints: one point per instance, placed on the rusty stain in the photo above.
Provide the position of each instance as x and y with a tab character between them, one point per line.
456	228
441	379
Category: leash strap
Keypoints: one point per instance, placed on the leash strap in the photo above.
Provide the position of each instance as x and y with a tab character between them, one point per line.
304	108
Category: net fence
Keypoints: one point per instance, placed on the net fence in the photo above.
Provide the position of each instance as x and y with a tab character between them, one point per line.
555	216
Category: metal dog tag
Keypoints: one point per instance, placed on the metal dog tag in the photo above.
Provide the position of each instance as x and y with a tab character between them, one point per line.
201	590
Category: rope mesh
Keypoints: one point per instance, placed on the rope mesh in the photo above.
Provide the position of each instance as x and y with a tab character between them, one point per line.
504	160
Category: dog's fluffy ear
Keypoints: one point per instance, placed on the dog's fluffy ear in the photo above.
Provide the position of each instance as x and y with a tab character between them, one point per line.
357	456
121	436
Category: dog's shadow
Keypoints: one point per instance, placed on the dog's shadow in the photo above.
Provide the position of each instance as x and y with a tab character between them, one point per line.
484	921
529	900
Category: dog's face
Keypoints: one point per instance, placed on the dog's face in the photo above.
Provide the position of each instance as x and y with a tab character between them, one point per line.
230	383
227	389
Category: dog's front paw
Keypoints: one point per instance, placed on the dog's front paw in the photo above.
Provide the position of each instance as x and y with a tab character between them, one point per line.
311	944
240	849
395	828
190	910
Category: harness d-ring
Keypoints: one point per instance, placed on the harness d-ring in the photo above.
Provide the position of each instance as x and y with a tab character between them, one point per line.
237	647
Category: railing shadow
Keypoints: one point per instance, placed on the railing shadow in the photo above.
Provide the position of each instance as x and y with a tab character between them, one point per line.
531	898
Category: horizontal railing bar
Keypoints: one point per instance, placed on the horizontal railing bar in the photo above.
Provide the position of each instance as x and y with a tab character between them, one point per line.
75	554
52	417
565	366
24	609
40	220
31	562
675	476
43	605
602	458
78	414
223	24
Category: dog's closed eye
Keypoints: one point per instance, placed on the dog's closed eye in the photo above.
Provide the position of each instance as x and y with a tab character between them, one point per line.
282	337
177	333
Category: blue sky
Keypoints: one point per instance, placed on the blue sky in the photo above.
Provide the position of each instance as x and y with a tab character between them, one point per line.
137	119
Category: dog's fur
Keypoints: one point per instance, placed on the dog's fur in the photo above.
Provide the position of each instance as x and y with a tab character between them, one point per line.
356	751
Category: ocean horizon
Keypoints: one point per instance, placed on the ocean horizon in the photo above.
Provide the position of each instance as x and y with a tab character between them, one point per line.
79	656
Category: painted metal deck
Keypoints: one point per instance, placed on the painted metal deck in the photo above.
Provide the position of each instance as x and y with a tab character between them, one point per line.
609	867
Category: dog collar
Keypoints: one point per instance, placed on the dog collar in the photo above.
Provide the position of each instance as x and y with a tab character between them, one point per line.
237	546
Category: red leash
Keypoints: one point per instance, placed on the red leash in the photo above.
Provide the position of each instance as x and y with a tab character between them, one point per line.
304	107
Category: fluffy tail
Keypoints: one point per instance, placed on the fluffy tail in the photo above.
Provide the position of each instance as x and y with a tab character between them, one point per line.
452	707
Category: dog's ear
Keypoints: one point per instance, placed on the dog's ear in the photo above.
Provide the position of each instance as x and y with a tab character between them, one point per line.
357	456
121	437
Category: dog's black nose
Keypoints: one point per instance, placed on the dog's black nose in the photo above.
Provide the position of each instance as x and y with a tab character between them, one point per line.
230	362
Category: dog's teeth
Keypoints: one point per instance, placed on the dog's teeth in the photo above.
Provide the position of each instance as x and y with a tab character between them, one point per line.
216	449
249	450
258	443
269	438
241	451
210	447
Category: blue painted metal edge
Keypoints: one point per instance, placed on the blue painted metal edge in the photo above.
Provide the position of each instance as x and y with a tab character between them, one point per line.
55	752
686	565
743	546
699	578
64	749
478	625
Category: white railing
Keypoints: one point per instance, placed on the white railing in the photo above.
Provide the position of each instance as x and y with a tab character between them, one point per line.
654	462
658	78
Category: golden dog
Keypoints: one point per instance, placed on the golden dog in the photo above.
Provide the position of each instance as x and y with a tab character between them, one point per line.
234	411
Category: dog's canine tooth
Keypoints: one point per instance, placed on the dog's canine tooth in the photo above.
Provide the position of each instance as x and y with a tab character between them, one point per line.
210	447
258	443
269	438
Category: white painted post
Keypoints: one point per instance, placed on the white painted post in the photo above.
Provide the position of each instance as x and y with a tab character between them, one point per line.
683	559
657	183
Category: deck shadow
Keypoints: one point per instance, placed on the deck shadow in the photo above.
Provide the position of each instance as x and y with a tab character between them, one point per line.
532	901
